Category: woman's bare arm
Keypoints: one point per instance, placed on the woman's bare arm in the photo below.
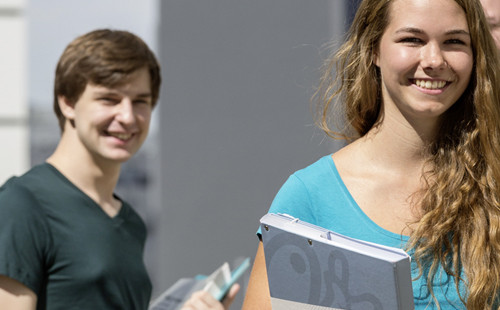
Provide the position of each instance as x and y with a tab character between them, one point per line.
257	294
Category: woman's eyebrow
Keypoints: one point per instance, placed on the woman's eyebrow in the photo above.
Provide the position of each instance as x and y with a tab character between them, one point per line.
410	29
420	31
458	31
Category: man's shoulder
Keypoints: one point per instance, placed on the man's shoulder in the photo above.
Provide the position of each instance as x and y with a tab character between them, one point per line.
22	191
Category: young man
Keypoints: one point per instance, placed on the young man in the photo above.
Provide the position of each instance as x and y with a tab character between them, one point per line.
492	12
66	240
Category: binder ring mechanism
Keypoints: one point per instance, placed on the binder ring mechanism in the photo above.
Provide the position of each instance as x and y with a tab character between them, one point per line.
329	235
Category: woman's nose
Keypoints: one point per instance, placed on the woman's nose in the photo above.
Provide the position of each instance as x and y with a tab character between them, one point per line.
432	57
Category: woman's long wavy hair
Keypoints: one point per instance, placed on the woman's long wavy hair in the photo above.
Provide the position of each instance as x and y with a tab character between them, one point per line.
459	228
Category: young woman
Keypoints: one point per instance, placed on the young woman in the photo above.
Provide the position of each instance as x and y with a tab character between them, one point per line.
418	90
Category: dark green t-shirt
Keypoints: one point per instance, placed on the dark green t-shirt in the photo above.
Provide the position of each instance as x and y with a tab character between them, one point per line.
58	242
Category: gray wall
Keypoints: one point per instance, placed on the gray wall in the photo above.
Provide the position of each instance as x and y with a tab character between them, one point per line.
234	121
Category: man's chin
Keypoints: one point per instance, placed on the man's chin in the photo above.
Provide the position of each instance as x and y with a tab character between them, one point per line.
118	157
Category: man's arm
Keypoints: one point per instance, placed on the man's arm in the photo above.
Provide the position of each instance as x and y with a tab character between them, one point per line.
257	295
15	295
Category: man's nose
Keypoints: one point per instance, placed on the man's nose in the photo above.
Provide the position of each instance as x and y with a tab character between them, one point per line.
125	111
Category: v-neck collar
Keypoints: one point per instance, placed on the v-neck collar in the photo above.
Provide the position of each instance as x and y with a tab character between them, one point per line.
118	217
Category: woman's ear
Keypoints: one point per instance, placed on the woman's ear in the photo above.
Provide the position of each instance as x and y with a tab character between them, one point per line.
375	58
67	108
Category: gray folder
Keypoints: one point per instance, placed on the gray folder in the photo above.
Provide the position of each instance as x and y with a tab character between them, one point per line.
309	267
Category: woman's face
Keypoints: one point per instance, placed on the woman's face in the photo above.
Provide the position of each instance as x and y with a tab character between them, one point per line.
425	58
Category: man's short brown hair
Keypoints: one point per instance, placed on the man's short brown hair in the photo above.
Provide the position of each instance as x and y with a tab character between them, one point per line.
102	57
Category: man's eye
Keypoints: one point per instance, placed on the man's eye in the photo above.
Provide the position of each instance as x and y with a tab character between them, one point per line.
141	101
108	100
495	26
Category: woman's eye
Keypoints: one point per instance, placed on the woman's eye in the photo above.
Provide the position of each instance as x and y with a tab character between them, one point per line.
411	40
455	41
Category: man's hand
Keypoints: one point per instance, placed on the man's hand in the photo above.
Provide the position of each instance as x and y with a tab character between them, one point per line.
202	300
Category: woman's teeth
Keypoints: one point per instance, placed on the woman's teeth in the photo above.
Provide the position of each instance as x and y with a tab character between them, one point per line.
430	84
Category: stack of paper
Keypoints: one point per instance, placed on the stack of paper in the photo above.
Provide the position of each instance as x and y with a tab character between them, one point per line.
217	284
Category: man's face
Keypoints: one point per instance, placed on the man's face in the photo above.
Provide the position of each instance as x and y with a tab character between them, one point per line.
112	123
492	12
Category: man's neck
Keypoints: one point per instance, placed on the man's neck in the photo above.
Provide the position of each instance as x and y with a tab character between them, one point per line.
96	177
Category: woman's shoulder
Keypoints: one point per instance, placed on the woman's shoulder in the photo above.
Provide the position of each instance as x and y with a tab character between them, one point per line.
314	179
321	168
